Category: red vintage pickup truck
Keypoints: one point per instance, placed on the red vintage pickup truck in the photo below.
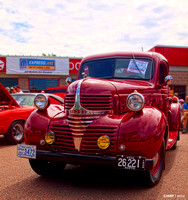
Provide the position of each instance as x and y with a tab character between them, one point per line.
117	113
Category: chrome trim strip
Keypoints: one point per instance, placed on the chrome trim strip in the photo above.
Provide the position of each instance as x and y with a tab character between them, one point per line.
83	111
73	118
80	122
77	134
77	105
79	130
78	126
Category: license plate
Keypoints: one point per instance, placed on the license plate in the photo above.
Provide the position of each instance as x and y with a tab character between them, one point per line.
26	151
130	162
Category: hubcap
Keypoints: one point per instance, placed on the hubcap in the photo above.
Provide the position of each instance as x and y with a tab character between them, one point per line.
17	132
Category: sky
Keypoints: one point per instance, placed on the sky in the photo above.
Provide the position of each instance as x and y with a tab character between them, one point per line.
78	28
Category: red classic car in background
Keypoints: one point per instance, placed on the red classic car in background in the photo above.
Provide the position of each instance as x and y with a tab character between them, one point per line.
14	110
60	91
117	114
12	117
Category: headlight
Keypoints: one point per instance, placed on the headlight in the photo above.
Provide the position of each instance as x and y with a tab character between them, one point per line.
103	142
41	101
135	101
50	138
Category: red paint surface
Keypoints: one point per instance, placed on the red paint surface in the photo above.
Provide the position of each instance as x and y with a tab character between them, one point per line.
10	110
141	132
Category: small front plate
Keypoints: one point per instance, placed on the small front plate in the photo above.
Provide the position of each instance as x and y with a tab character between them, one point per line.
26	151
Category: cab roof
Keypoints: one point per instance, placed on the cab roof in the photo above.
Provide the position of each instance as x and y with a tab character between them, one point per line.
153	55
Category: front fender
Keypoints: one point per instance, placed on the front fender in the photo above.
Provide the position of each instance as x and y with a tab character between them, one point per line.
174	117
38	122
142	133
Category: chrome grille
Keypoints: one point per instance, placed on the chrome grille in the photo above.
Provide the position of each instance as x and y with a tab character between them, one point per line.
69	101
64	139
78	125
90	102
89	140
65	142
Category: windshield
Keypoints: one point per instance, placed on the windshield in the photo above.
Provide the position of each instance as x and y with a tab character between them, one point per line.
126	68
24	100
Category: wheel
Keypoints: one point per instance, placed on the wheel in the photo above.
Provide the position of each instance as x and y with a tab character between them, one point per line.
153	176
47	168
15	133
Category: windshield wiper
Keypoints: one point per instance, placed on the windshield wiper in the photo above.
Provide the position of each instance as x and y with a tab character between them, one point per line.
134	60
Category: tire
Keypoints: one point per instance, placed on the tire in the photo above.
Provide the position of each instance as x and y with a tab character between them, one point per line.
47	168
15	134
174	146
153	176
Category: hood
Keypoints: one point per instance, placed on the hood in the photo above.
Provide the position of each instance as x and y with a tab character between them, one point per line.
124	86
93	87
6	98
113	86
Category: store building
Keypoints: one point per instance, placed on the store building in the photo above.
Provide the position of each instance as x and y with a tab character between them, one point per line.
39	73
178	61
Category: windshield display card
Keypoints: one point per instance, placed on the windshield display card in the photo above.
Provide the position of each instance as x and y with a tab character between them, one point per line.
138	68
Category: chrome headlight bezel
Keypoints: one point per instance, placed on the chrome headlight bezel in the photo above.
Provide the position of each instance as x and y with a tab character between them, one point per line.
41	101
135	101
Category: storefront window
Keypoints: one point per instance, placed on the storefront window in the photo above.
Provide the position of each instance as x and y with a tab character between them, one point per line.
36	84
9	82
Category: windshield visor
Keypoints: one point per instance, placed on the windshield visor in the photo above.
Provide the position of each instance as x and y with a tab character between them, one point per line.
126	68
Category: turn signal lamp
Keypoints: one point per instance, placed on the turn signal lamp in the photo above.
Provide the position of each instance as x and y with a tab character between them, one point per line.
50	138
103	142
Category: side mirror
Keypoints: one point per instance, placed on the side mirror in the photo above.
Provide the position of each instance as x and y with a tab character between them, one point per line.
69	80
168	78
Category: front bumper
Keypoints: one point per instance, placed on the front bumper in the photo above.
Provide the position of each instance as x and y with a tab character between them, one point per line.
82	159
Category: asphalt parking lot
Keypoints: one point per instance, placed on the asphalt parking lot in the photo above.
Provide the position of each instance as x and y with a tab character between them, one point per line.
18	181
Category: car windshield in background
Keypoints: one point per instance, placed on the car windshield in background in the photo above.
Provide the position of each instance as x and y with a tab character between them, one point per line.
24	100
126	68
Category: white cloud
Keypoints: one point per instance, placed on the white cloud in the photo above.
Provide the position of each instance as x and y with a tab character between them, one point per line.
80	28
